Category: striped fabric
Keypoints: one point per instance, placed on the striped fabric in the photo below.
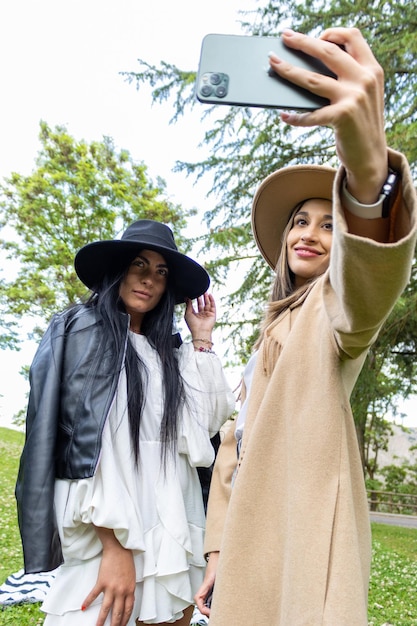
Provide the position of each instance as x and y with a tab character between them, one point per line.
21	587
198	619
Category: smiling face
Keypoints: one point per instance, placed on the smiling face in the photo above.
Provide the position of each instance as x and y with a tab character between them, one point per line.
143	286
309	240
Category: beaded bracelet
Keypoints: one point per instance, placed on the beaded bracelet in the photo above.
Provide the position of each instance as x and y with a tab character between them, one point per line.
209	350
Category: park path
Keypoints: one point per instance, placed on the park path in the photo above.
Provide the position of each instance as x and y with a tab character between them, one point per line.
408	521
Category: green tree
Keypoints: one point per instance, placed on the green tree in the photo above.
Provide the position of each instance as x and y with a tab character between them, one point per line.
400	481
78	192
387	376
243	145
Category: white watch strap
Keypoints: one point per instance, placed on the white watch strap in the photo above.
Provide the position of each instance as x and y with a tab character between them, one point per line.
366	211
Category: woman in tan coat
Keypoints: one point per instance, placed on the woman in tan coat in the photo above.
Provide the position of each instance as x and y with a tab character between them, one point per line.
288	536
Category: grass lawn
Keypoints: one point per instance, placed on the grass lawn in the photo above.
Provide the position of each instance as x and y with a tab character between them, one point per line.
11	560
393	586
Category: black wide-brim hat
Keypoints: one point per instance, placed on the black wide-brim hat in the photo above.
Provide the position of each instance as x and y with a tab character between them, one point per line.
96	260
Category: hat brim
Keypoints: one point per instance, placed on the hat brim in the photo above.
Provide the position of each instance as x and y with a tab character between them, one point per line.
95	260
276	197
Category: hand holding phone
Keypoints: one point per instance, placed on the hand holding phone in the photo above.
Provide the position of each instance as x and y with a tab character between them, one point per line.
234	70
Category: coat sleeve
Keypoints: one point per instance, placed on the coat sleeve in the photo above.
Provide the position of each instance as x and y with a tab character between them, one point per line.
366	277
36	476
220	490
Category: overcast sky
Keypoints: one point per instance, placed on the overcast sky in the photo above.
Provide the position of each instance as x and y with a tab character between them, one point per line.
61	62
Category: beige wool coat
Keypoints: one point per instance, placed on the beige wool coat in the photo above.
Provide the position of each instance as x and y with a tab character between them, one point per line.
294	531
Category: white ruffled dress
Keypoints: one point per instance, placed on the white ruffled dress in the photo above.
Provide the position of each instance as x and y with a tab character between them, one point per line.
157	515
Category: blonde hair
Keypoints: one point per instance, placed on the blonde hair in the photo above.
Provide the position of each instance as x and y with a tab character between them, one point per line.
283	293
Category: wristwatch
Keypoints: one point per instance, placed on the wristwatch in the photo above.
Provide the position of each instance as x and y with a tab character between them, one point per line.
382	207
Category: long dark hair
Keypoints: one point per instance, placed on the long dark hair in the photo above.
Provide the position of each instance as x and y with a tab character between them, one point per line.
157	326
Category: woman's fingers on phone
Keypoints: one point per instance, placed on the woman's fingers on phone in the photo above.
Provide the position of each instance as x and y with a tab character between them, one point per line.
357	94
332	52
313	81
343	50
351	41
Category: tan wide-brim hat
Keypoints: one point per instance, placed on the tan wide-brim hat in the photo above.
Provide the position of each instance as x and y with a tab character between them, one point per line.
276	197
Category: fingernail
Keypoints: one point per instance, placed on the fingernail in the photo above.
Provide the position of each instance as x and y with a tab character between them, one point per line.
272	55
83	608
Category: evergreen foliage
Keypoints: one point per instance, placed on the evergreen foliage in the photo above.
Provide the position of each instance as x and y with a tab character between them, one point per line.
244	145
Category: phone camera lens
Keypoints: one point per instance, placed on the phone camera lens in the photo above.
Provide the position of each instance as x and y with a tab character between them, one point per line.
215	79
206	90
221	91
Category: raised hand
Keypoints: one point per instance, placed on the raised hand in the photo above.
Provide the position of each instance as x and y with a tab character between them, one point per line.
356	109
201	318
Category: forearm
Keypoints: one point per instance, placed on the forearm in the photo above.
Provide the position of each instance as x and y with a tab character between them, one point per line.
116	580
401	206
108	538
361	217
364	271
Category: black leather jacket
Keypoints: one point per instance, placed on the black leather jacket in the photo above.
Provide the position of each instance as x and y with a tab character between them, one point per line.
70	398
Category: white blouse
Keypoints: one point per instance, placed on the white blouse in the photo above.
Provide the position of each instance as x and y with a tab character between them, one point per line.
247	380
158	515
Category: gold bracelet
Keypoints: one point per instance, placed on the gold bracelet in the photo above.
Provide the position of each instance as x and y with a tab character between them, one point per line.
204	341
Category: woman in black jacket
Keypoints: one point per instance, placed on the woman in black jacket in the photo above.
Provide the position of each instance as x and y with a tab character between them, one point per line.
120	416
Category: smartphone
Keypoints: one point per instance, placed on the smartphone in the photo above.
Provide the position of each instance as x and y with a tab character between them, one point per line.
234	70
209	598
